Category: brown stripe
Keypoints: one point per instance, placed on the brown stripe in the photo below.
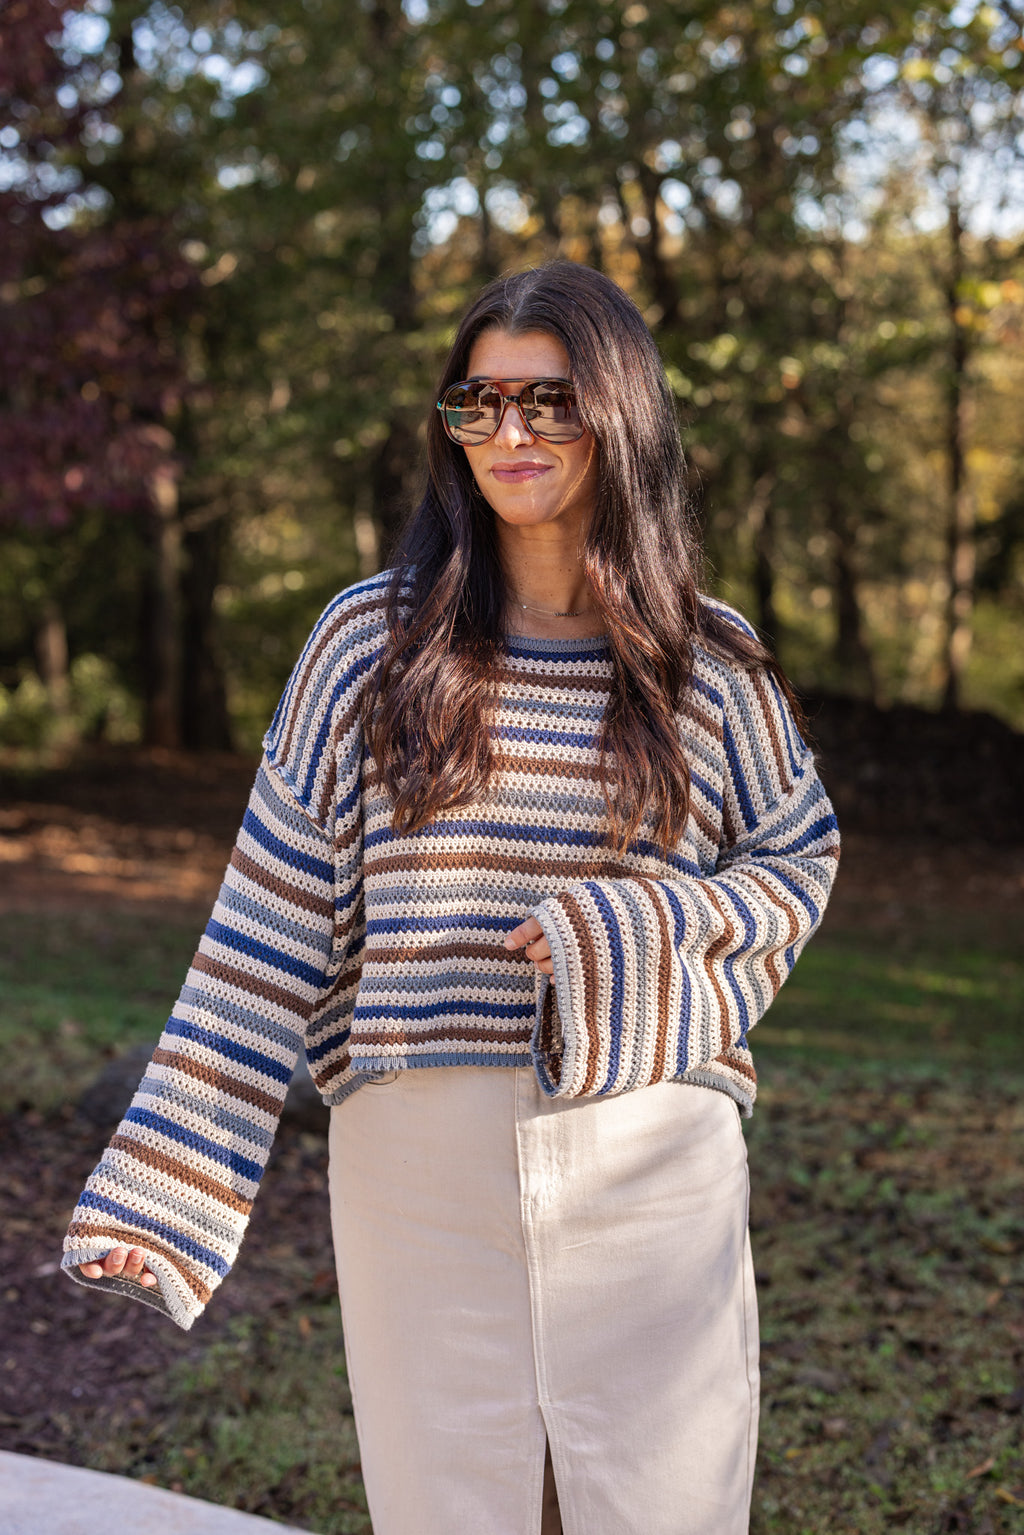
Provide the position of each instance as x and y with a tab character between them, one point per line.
587	1009
183	1171
546	1035
339	730
252	984
718	947
323	1076
794	931
125	1234
571	865
550	680
531	767
710	831
693	708
326	637
736	1063
768	709
665	950
408	953
436	1034
220	1080
280	887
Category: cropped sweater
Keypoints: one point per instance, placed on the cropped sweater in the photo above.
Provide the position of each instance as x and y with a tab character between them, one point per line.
373	950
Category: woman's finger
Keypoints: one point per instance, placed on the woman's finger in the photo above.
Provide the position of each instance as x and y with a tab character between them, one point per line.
528	931
115	1261
128	1263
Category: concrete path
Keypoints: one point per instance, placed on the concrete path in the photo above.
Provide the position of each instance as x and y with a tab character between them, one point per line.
42	1497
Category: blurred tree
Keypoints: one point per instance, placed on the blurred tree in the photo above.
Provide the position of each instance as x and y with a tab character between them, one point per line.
92	297
293	212
961	82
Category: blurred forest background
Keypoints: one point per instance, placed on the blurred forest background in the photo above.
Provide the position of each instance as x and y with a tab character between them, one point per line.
235	236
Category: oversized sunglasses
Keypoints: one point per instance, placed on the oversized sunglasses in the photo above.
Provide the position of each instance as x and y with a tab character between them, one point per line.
473	410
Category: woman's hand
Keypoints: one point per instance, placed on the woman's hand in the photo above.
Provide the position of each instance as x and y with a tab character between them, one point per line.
130	1263
529	935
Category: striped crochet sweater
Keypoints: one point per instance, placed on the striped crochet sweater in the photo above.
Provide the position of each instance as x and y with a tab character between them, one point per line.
373	951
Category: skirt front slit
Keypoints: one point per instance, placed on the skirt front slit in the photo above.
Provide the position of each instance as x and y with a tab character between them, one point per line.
516	1270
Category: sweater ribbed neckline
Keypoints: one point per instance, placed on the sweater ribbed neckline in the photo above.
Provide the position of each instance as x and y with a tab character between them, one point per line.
571	646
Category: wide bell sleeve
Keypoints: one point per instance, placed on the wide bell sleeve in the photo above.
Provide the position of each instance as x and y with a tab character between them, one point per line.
276	970
662	978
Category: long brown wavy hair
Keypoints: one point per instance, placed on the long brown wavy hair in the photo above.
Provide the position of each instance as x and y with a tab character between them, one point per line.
431	705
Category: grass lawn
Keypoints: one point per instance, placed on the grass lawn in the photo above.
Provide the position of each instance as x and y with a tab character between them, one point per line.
886	1223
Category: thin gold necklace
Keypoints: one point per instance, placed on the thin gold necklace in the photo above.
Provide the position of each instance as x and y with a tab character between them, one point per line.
553	612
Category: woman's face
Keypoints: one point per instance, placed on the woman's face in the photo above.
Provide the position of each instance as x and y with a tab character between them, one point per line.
527	481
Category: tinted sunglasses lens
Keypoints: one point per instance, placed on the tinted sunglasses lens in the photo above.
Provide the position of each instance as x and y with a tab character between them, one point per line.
551	411
471	413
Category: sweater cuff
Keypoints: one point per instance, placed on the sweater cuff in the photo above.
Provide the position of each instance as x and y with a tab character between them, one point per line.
564	1061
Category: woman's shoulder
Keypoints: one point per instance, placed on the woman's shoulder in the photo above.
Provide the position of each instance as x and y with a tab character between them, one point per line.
322	699
729	615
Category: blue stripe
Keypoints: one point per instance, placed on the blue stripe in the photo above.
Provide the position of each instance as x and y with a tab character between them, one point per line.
615	952
729	963
241	943
707	691
174	1238
327	1046
801	895
706	789
792	734
285	854
812	834
672	860
438	924
343	902
229	1048
679	935
736	773
365	1064
546	836
343	684
207	1148
540	737
447	1009
517	648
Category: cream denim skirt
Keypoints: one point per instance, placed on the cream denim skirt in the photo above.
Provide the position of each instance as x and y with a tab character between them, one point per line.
516	1269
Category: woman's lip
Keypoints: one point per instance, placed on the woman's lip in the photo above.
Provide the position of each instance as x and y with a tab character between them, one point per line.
515	473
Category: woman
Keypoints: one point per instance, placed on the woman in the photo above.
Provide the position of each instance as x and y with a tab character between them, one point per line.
535	814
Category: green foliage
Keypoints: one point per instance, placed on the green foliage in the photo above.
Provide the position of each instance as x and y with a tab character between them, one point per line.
789	191
80	985
96	706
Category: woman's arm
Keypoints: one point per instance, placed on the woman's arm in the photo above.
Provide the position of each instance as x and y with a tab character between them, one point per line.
653	979
278	967
164	1212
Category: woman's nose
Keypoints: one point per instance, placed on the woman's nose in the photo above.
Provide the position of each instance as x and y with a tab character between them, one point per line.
512	428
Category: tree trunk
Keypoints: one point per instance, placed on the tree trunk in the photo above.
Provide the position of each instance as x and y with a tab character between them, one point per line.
960	546
161	648
761	515
392	479
660	279
52	656
205	723
853	658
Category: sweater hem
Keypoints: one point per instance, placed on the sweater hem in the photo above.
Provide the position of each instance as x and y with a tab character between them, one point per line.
711	1079
156	1298
368	1067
